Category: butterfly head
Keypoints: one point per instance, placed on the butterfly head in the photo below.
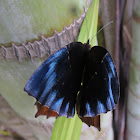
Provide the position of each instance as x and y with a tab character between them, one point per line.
87	45
88	42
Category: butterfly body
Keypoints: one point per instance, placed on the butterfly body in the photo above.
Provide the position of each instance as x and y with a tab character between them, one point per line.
57	82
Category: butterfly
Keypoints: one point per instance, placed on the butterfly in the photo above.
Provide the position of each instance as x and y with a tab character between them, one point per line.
77	77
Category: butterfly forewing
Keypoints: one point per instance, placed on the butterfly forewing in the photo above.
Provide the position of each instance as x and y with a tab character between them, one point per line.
56	82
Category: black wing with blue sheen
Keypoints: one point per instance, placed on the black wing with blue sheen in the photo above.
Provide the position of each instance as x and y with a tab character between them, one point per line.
56	82
100	90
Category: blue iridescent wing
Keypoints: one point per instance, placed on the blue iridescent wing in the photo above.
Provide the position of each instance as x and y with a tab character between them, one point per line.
100	90
56	82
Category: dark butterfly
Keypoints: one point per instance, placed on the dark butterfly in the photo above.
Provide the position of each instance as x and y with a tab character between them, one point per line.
76	75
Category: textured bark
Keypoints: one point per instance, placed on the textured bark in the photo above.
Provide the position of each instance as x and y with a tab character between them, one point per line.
125	51
107	15
133	103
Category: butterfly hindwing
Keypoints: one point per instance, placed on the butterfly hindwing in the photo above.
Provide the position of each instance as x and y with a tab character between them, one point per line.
56	82
100	90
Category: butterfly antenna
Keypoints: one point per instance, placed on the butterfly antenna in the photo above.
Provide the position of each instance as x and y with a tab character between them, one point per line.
101	29
87	28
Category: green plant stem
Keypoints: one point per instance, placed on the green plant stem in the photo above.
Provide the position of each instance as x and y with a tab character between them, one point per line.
70	129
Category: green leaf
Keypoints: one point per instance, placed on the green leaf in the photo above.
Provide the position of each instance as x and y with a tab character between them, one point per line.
89	26
70	129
